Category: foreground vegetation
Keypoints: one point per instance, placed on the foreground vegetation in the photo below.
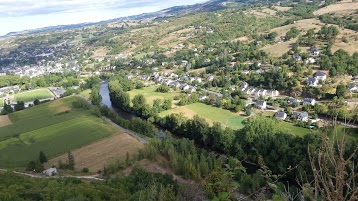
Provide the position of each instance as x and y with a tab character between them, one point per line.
53	127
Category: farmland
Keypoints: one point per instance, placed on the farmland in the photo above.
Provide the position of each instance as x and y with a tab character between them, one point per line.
150	94
211	114
30	96
109	150
53	127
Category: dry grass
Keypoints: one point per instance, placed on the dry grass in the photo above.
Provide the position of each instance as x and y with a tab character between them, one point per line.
280	8
336	8
279	49
109	150
100	52
5	120
352	37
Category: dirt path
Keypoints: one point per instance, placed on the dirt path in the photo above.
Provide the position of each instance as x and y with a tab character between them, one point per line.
90	177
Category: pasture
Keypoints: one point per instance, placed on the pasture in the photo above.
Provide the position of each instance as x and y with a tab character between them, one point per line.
211	114
150	94
52	127
86	93
107	151
30	96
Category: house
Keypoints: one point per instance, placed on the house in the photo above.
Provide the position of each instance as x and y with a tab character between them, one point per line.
314	51
310	60
309	101
293	101
281	115
243	85
300	116
129	76
312	82
320	75
211	78
2	73
245	72
273	93
203	97
353	88
191	89
50	172
297	57
261	104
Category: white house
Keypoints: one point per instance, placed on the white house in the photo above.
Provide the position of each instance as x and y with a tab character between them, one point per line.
310	60
300	116
320	75
309	101
313	82
50	172
281	115
261	104
353	88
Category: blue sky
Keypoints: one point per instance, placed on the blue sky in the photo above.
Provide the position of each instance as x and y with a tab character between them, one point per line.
18	15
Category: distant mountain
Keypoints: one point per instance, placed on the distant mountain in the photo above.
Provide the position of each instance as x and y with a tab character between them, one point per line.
208	6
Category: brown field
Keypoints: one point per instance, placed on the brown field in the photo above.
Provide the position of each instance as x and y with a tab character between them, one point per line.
279	49
5	120
351	46
280	8
336	8
109	150
59	106
100	52
303	25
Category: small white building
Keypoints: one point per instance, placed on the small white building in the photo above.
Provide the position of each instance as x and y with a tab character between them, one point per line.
50	172
320	75
309	101
261	104
281	115
312	81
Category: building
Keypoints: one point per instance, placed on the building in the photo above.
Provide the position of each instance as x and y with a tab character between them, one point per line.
353	88
312	81
309	101
261	104
314	51
50	172
281	115
300	116
293	101
320	75
310	60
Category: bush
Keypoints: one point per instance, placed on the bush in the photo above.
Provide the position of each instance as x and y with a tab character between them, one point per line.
81	104
85	170
163	89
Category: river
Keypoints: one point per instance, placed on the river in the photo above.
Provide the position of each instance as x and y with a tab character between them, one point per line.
104	92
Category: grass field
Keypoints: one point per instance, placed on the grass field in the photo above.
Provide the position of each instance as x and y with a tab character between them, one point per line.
295	130
30	96
211	114
150	94
1	102
107	151
86	93
49	128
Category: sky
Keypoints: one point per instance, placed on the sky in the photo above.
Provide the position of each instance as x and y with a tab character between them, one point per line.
18	15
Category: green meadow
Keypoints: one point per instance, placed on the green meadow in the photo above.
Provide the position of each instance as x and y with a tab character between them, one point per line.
30	96
52	127
211	114
150	94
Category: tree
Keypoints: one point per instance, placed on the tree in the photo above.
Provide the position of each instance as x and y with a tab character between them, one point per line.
334	171
37	102
42	157
341	90
20	105
71	161
7	109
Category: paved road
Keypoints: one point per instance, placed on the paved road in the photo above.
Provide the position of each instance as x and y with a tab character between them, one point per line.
213	92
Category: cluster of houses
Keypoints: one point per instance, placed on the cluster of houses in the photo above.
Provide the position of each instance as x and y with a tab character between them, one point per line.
256	92
300	116
9	90
313	82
